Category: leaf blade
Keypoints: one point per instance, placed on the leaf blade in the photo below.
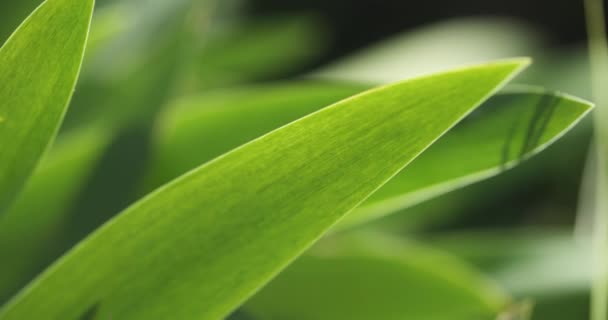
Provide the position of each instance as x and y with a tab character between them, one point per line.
232	246
514	126
509	127
40	64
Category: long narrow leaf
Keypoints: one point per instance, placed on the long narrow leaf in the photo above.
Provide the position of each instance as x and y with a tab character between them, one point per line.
514	126
39	66
200	246
509	127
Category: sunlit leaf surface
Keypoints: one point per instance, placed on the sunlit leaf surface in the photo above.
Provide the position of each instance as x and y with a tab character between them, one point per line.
39	66
508	128
237	221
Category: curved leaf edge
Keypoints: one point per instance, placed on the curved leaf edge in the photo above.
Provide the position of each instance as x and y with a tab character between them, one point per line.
394	204
518	65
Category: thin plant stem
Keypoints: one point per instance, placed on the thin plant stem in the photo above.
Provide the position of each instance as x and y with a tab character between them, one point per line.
598	51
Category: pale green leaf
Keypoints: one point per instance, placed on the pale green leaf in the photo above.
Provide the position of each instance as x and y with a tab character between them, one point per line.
235	222
550	267
434	47
367	276
511	126
39	66
528	263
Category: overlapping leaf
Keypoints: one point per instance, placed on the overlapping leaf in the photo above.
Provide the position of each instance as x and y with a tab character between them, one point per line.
513	126
509	127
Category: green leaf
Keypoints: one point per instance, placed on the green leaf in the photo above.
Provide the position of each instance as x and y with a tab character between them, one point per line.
203	244
31	228
513	125
367	276
39	66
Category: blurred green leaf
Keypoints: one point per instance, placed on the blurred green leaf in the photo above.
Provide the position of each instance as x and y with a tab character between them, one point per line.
39	66
31	228
129	79
13	13
514	126
511	126
435	47
131	74
257	49
108	23
237	221
595	16
377	277
151	23
190	51
549	267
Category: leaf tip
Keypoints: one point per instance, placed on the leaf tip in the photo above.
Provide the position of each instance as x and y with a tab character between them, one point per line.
516	64
509	68
586	105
